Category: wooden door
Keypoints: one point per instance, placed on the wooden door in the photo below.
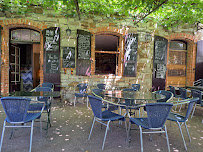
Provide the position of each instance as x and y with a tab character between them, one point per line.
199	61
159	63
176	64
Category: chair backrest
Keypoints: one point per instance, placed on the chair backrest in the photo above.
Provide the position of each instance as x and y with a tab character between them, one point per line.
101	86
183	93
136	87
157	114
82	87
128	89
43	89
15	108
190	106
48	84
96	105
168	94
198	94
97	93
173	90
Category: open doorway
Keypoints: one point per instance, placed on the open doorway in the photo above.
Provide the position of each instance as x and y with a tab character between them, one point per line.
24	65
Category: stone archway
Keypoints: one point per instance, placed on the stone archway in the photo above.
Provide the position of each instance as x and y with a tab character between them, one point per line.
7	25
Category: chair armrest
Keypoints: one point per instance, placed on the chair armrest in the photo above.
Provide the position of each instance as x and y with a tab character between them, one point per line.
38	102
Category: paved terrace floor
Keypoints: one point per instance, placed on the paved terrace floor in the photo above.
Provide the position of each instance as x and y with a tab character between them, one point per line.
71	126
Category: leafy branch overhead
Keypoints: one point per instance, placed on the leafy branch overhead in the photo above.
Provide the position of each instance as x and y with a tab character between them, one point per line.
168	13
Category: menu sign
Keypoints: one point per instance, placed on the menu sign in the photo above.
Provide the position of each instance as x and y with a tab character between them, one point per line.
83	44
130	69
160	71
69	57
52	38
130	57
52	62
160	49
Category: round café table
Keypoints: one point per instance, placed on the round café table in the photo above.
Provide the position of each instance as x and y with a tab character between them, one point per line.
131	99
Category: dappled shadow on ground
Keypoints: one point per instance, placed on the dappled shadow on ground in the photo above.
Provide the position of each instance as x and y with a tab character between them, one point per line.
71	126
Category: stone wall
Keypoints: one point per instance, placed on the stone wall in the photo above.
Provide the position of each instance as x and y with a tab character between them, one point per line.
43	20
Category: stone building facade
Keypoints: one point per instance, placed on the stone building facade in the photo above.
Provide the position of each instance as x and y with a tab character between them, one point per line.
97	25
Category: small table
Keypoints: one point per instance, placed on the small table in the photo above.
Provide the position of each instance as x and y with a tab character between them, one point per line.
133	95
131	99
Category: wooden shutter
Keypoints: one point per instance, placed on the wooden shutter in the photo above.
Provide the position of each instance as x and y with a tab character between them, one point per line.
51	65
130	57
199	61
83	66
159	63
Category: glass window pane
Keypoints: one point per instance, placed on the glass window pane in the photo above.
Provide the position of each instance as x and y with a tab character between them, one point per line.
35	36
25	35
178	45
15	35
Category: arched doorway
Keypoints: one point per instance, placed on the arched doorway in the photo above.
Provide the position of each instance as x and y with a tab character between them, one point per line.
24	53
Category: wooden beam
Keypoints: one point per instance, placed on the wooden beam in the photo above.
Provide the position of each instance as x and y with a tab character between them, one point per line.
77	8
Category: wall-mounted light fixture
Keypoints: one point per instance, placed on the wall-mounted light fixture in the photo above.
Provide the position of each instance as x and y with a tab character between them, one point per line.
68	32
148	37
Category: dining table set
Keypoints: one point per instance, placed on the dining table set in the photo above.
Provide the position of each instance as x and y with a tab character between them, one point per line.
104	102
156	106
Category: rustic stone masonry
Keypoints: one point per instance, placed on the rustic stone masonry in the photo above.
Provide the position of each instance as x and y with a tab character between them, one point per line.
95	26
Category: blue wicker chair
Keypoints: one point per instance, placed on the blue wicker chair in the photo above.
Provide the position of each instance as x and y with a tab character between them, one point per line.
136	87
82	92
183	95
129	102
97	93
48	84
101	86
157	114
47	101
103	116
16	111
198	94
173	90
180	119
168	94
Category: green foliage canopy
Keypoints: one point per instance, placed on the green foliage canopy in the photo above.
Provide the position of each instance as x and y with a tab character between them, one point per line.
168	13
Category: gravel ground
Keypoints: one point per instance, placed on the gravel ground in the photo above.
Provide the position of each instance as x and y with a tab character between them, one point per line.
71	126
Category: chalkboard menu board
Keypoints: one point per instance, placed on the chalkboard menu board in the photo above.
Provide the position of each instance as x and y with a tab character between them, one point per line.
131	44
160	71
160	51
130	56
159	63
69	57
51	39
130	69
83	44
52	62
